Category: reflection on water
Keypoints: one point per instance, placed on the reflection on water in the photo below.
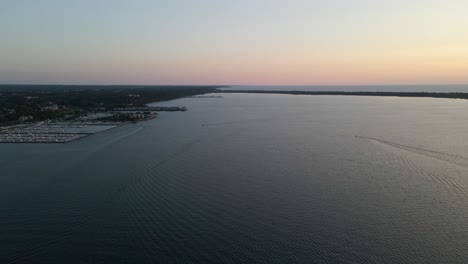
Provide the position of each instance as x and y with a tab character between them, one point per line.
248	178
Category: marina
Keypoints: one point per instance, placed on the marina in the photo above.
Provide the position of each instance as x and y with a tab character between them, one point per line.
44	132
152	108
60	131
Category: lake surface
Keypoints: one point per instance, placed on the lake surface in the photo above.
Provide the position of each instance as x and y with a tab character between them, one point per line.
248	178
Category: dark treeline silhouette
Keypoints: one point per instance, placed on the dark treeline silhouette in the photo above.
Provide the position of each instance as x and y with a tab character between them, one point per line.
397	94
43	102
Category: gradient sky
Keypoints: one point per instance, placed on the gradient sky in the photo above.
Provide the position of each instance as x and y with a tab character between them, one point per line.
270	42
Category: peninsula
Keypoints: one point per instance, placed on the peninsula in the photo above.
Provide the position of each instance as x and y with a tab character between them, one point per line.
63	113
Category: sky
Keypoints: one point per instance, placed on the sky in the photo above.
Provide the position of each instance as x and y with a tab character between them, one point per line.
254	42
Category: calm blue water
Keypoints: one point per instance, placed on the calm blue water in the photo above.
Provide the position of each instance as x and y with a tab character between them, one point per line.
248	178
362	88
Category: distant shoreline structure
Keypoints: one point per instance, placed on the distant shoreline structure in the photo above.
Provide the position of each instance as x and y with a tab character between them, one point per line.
447	95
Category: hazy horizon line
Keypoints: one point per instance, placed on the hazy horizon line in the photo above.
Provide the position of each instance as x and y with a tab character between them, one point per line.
258	85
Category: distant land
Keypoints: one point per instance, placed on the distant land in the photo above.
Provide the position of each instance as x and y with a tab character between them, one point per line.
64	113
26	104
449	95
49	102
403	88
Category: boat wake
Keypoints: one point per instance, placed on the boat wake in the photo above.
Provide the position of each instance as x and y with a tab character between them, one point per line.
439	175
38	245
439	155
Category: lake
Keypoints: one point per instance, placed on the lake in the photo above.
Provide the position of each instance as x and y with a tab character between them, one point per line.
248	178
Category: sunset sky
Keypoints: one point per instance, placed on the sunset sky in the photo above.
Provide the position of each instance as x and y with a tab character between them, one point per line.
263	42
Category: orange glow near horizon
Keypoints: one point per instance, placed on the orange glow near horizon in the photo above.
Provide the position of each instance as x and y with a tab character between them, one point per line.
262	42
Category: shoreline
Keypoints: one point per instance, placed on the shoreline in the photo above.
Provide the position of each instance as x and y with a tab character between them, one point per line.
455	95
62	114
